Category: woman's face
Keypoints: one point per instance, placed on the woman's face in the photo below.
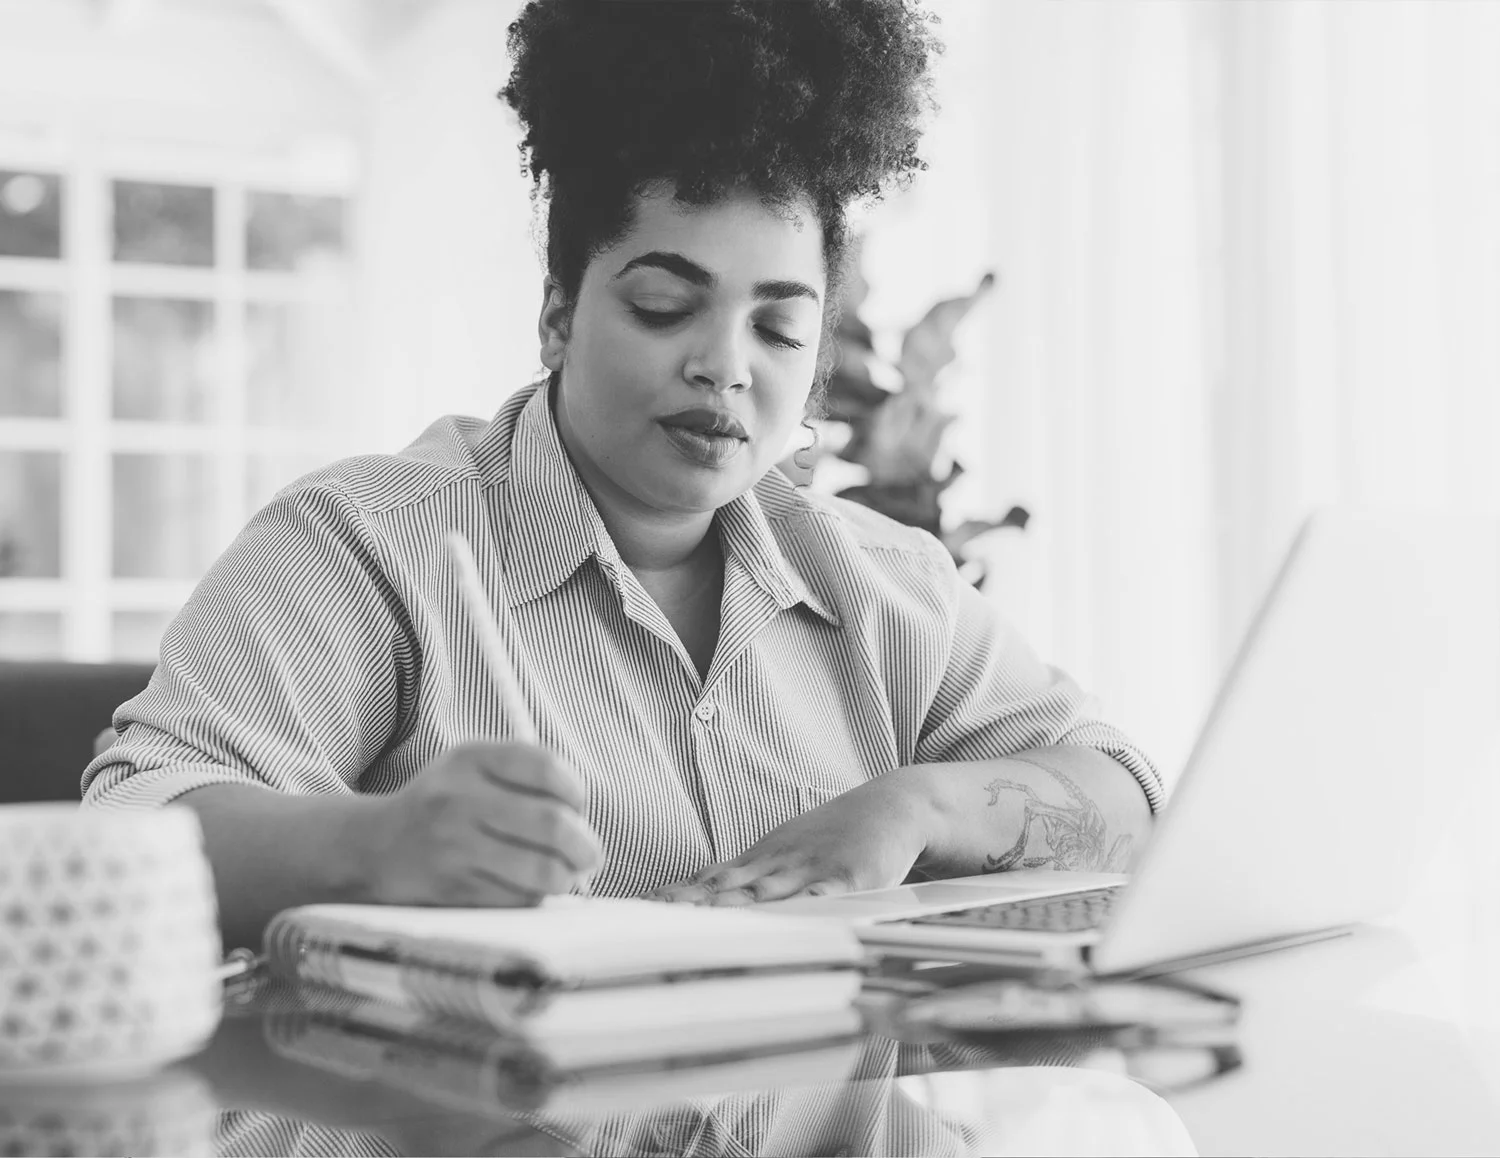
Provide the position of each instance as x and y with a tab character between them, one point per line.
688	358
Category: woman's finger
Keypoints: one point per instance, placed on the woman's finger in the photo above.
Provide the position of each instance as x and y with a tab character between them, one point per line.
737	874
685	892
717	879
808	881
776	885
827	887
679	894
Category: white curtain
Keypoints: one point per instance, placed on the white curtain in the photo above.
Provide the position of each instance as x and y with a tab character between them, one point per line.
1249	261
1360	252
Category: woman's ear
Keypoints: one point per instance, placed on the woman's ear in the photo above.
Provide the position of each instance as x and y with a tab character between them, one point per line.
552	326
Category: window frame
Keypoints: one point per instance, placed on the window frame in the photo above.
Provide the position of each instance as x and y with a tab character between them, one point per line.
86	595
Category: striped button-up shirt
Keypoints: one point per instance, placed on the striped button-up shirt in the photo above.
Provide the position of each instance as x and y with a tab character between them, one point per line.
327	651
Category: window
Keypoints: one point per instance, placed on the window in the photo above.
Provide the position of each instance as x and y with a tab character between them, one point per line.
174	346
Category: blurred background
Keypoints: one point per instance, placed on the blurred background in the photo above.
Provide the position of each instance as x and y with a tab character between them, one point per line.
1246	259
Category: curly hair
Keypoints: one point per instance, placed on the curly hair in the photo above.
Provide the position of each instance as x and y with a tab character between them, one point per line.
815	99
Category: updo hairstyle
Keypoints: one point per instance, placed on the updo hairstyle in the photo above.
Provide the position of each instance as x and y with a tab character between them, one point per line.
815	99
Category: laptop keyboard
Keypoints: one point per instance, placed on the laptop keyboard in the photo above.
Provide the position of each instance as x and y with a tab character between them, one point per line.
1074	913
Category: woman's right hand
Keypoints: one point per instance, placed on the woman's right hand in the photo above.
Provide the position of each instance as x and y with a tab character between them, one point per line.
484	824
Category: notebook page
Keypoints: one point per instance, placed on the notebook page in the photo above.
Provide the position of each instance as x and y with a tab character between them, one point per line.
596	938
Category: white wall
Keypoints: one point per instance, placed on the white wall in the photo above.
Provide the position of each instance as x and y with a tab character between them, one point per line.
454	280
220	78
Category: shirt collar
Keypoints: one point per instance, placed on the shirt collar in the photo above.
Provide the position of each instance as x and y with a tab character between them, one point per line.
746	534
552	525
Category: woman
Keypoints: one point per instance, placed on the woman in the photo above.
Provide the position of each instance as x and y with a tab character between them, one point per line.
742	690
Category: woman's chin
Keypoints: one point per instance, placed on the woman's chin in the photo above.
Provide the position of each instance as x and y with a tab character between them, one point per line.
695	491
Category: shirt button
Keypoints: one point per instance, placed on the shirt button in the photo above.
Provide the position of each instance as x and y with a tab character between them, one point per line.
705	711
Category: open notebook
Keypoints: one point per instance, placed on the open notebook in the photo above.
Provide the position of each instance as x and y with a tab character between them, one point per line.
572	966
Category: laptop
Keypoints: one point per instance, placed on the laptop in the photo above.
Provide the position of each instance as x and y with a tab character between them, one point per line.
1363	699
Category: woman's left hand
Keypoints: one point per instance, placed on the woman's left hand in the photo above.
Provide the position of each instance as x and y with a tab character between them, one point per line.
867	838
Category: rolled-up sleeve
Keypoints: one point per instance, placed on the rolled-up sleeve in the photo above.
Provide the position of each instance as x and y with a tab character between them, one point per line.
996	698
284	669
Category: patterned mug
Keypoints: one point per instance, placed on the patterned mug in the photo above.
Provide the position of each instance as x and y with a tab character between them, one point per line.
109	942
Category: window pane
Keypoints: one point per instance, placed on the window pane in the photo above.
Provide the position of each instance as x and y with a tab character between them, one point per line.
163	358
164	224
30	514
267	474
30	354
30	635
163	515
297	370
30	214
135	636
286	231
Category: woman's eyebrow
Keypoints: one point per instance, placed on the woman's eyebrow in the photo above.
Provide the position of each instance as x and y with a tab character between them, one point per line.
694	274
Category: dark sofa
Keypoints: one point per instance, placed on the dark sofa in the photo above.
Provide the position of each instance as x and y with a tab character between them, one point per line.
49	716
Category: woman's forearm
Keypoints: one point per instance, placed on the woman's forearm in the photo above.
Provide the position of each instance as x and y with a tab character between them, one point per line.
1065	807
271	850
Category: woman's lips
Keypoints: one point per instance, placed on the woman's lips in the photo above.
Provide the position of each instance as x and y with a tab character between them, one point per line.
703	449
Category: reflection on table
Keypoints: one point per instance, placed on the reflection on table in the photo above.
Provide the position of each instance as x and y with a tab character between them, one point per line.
294	1080
170	1113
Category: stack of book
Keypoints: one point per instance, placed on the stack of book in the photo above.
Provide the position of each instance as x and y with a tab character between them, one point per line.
584	1000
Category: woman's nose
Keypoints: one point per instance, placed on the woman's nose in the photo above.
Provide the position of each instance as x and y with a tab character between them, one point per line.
721	361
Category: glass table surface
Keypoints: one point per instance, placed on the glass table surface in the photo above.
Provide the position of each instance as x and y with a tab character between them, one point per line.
1377	1042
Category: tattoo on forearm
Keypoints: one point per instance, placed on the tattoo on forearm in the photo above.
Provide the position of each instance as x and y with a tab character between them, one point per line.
1073	835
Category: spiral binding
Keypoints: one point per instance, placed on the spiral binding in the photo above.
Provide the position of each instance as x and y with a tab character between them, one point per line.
449	1062
446	979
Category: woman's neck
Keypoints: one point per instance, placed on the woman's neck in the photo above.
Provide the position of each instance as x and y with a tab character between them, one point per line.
649	540
656	542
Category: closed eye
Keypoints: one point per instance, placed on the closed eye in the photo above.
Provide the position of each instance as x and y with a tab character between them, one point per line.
658	319
779	340
665	319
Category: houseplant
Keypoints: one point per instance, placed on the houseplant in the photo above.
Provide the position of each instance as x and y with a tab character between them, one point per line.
888	419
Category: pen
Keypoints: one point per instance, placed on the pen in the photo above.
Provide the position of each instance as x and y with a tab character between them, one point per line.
487	617
484	619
